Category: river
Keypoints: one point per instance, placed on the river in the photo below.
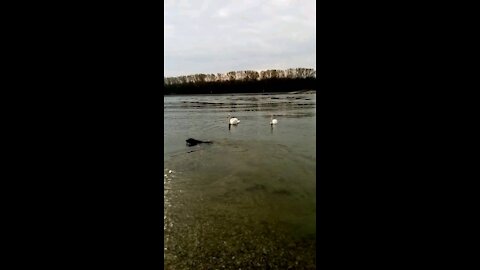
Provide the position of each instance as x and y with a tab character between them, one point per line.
246	201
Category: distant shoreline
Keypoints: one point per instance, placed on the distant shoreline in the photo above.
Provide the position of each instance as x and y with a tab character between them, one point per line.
280	85
246	81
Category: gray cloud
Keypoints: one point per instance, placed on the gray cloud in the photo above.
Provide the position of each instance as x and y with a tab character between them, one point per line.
212	36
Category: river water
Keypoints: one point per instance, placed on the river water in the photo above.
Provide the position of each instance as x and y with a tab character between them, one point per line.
246	201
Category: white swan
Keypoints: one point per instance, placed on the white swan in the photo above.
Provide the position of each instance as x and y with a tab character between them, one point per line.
233	120
273	121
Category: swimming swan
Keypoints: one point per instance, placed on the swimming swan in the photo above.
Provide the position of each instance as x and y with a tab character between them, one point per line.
233	120
273	121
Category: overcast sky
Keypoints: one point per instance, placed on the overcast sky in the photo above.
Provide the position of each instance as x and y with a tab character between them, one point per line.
217	36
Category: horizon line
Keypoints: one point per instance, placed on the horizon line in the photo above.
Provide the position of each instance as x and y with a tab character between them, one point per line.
257	70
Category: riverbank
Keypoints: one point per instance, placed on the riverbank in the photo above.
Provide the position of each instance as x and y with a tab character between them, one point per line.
242	87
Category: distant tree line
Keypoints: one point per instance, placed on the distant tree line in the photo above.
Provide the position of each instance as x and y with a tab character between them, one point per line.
248	81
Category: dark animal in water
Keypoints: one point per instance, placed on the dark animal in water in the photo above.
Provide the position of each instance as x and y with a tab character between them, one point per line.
193	142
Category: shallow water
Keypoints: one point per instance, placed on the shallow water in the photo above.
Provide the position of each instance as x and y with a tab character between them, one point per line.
247	201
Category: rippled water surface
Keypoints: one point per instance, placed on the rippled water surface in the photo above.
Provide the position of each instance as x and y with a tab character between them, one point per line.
246	201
